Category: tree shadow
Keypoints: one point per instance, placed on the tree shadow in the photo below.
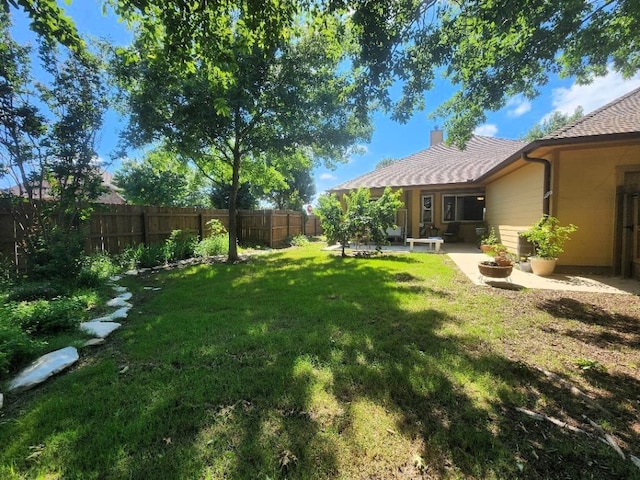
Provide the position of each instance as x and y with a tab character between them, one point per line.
618	329
336	379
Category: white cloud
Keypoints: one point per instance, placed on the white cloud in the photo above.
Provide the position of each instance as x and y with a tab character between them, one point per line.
598	93
486	130
327	176
518	106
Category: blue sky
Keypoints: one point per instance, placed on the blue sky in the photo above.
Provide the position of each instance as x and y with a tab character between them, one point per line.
389	139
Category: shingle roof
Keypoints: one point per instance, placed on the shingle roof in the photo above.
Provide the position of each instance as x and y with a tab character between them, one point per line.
620	116
440	165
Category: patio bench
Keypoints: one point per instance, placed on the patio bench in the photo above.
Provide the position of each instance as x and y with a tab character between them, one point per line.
433	242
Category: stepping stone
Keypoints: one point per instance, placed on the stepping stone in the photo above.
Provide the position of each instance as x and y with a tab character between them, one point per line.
43	368
125	296
93	341
1	401
120	313
118	302
131	272
99	329
119	289
115	278
153	289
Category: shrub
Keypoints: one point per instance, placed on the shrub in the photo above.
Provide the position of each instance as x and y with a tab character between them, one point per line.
298	241
215	228
58	256
180	245
39	290
47	316
15	346
210	246
143	256
96	269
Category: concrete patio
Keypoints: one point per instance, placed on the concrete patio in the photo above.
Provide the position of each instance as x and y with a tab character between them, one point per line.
467	256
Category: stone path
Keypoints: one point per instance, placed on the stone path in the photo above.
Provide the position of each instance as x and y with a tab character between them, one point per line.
59	360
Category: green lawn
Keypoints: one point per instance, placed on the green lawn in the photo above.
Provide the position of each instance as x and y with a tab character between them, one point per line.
302	364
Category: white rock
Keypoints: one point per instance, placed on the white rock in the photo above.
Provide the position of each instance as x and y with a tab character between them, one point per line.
131	272
1	401
44	367
125	296
154	289
99	329
93	341
119	289
115	278
120	313
118	302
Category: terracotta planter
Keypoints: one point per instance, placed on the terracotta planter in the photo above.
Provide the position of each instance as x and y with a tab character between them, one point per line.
492	271
486	248
542	266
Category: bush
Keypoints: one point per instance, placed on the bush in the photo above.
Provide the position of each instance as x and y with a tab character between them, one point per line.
298	241
15	346
180	245
46	316
57	257
96	269
215	228
210	246
42	290
143	256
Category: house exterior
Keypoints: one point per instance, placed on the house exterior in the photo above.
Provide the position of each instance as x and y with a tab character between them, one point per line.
586	173
111	195
439	185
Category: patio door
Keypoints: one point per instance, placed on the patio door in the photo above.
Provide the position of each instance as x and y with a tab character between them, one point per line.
630	234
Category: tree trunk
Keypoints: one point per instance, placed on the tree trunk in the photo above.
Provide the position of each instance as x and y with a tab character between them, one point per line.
233	199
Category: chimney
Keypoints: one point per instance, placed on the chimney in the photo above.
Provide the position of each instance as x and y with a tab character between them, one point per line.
437	136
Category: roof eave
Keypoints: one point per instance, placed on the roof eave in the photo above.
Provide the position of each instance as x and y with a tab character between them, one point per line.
556	142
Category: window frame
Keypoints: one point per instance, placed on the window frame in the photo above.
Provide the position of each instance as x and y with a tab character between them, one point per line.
457	196
422	209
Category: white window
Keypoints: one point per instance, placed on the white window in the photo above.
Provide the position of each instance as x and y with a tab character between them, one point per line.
463	208
427	209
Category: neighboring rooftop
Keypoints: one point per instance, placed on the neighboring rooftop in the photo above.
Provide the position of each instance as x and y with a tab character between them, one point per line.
439	165
620	116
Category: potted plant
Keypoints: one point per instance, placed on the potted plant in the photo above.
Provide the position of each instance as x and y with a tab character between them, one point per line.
548	238
489	241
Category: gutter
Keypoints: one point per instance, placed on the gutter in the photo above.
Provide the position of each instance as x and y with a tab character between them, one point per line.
546	199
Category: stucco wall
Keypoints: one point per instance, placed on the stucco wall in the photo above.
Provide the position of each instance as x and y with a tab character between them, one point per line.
514	202
585	195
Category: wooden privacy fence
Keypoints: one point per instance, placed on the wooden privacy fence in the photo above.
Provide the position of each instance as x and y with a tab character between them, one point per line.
113	228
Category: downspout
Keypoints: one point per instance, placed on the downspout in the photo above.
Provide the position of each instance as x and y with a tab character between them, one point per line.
546	200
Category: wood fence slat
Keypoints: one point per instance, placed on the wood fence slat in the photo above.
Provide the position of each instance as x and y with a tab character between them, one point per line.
113	228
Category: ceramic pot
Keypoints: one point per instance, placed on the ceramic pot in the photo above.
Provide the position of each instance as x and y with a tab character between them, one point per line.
542	266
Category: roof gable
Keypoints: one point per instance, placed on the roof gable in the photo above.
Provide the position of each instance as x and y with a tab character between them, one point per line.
439	165
619	116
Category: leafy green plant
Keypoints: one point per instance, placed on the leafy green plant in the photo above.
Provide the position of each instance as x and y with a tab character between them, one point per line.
210	246
180	245
96	269
15	345
490	238
548	236
35	290
144	256
47	316
298	241
215	227
587	364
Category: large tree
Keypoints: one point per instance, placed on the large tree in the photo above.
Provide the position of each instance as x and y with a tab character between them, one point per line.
555	121
234	96
490	50
161	178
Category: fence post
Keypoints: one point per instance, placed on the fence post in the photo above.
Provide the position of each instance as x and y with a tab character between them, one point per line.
200	226
288	225
145	228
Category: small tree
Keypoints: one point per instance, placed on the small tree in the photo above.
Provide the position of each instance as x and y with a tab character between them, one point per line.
47	139
361	218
